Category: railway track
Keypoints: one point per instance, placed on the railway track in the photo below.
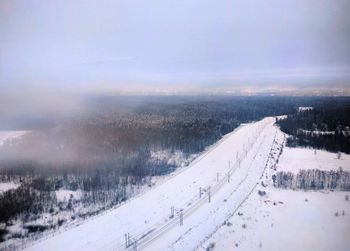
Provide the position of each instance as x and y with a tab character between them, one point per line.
145	238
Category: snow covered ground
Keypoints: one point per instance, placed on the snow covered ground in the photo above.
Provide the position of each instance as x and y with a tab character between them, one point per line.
65	195
9	135
287	220
305	108
273	219
294	159
224	200
231	168
5	186
176	158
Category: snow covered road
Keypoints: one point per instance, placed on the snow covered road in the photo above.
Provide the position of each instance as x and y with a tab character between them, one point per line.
231	169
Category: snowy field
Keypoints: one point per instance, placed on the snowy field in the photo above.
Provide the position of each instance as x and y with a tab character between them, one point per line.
294	159
9	135
305	108
65	195
231	168
285	219
5	186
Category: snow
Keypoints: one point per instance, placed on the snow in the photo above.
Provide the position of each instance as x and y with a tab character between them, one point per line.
282	117
237	217
64	195
5	186
305	108
294	159
305	221
10	135
176	158
148	214
316	132
284	219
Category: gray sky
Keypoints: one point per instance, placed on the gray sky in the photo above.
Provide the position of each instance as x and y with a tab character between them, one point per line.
102	44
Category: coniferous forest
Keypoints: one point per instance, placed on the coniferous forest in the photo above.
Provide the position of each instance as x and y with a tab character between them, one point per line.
324	125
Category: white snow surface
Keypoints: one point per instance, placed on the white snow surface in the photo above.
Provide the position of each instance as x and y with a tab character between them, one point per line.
295	159
305	221
285	219
305	108
65	195
317	132
147	216
5	186
176	158
9	135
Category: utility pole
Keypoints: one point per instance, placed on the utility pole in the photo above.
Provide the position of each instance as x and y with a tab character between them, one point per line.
209	195
172	210
228	177
200	192
181	218
126	240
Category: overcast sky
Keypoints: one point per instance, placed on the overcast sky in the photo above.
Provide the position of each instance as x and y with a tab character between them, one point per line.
170	43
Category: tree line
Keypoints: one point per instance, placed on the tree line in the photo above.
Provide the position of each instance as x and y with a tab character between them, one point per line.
313	179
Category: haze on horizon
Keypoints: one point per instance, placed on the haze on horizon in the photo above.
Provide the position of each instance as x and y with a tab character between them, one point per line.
173	45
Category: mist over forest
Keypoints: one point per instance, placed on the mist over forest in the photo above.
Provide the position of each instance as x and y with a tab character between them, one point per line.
115	145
